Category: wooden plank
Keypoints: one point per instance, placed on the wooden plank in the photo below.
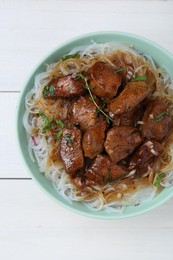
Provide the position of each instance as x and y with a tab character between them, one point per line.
33	226
10	161
26	41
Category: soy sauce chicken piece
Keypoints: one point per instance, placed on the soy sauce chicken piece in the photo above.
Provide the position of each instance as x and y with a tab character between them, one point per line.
121	141
130	97
130	118
103	80
93	139
83	112
67	86
156	120
145	156
101	171
71	150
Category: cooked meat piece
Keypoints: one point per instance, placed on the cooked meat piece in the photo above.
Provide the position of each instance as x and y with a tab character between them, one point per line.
83	112
93	139
145	156
129	98
71	150
156	120
130	118
101	171
104	81
121	141
66	86
62	109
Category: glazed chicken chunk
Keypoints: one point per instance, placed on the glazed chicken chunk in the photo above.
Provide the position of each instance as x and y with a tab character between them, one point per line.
121	141
101	171
155	120
103	80
93	139
130	97
130	118
66	87
145	156
84	113
71	150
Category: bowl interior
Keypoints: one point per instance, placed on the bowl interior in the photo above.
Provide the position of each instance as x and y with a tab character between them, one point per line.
161	56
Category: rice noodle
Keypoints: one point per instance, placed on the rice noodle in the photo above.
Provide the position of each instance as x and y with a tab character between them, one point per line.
115	197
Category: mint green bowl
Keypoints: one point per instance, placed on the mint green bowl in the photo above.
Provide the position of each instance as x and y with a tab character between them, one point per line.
160	55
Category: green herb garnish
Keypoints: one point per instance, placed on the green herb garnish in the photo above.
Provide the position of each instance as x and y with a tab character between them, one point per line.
160	116
80	75
68	139
71	56
46	91
58	135
59	122
139	78
47	122
119	70
51	90
158	179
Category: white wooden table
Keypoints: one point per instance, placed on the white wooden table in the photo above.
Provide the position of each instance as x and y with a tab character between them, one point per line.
31	225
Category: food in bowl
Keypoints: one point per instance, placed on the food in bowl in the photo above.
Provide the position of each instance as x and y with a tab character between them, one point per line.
99	126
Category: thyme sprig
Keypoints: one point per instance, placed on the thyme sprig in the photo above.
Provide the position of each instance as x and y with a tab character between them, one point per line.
80	75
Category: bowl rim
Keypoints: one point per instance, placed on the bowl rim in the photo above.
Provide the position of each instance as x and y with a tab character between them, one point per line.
94	213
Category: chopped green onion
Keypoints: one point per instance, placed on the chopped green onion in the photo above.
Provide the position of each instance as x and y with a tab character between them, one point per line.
158	179
71	56
160	116
139	78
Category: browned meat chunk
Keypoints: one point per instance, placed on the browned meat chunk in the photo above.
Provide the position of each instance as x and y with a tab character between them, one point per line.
104	81
101	171
84	113
71	150
130	118
156	120
66	87
93	139
130	97
121	141
145	156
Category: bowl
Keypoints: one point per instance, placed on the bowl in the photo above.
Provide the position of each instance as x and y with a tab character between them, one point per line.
160	56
